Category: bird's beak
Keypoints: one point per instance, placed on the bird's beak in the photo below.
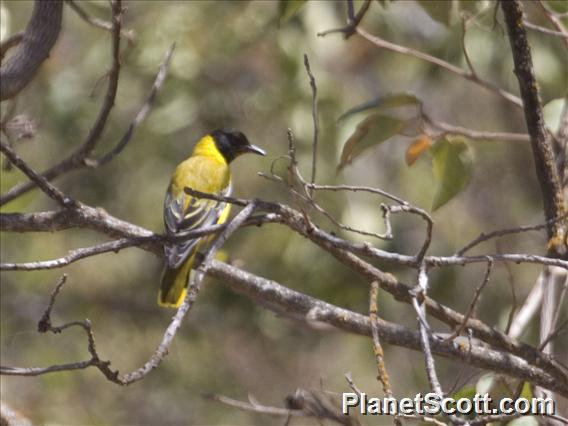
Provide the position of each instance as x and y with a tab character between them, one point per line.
253	149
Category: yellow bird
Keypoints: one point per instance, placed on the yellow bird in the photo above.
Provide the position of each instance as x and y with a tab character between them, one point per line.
206	170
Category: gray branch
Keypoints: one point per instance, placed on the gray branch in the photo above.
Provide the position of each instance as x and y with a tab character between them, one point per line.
37	41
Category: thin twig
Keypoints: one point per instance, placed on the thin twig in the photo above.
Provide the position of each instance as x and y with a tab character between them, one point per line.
382	376
122	243
142	112
560	302
425	332
465	21
45	325
473	303
255	408
507	231
511	280
96	22
50	190
544	30
384	44
554	20
76	255
377	348
77	158
353	20
553	334
315	121
450	129
190	298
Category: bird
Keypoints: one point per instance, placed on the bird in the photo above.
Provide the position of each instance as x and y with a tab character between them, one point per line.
205	170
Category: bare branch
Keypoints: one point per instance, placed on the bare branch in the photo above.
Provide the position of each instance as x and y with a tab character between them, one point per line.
553	334
545	30
142	113
315	120
343	251
383	376
285	301
169	335
32	49
425	331
44	326
122	243
547	173
384	44
190	298
81	157
51	191
303	403
450	129
473	303
96	22
554	20
353	20
75	255
508	231
77	159
465	21
256	408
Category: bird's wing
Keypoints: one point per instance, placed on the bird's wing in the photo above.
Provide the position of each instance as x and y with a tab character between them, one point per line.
198	213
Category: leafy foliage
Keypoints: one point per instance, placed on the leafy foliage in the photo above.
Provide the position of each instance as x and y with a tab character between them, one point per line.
452	162
373	130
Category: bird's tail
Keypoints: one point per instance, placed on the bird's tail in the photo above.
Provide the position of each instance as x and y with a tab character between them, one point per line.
174	284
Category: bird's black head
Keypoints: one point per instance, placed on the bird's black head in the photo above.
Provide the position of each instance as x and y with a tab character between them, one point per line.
233	143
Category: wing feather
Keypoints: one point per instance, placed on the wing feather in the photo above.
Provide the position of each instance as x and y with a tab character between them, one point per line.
198	213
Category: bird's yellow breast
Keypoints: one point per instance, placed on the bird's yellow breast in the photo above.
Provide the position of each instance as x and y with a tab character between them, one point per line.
205	171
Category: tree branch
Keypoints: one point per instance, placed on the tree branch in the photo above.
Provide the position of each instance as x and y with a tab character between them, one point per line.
546	171
34	48
77	159
384	44
51	191
285	301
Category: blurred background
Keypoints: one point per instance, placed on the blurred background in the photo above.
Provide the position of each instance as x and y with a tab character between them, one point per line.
240	64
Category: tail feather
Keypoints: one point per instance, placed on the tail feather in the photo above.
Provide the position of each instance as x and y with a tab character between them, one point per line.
174	285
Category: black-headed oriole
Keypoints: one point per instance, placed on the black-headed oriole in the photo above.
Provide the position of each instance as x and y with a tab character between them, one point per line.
206	170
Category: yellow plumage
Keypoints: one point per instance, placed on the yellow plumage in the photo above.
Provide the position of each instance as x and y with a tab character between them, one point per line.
206	170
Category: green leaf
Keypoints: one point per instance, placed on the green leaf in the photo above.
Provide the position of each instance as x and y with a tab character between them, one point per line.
452	165
439	10
287	9
373	130
391	100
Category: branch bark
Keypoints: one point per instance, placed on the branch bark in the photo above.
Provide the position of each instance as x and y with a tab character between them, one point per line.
285	301
97	219
546	171
38	39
